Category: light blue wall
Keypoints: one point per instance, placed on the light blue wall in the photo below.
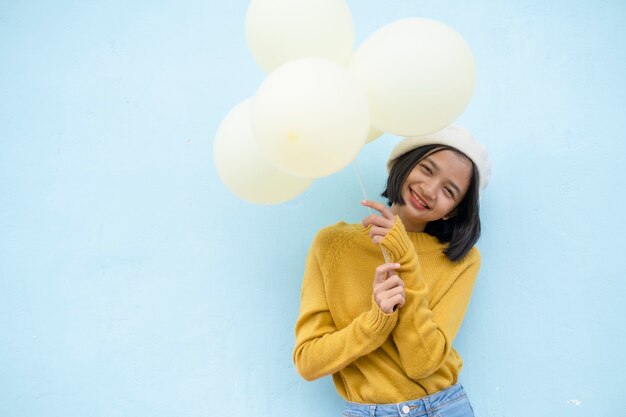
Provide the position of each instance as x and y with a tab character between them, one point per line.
132	283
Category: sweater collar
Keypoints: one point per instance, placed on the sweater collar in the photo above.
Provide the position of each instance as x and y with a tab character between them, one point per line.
425	243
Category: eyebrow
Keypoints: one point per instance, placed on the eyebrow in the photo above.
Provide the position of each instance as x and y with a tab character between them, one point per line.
436	168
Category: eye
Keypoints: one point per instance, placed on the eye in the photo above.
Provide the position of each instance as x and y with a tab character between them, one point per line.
448	192
426	169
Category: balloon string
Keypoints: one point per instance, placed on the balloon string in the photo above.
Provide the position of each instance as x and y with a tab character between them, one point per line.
386	254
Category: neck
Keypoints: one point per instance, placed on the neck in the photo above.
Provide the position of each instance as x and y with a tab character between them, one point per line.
409	225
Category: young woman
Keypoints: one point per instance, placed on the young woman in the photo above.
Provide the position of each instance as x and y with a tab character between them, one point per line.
384	331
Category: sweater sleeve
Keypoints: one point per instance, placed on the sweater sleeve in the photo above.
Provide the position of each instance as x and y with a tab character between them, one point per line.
424	333
321	348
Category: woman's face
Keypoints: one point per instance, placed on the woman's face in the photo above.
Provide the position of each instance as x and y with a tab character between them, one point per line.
433	189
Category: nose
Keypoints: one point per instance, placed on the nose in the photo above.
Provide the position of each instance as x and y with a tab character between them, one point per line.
428	189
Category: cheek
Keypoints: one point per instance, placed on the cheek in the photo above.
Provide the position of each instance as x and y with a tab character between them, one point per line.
449	207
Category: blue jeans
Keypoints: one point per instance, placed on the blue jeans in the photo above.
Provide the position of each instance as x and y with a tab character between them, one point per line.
450	402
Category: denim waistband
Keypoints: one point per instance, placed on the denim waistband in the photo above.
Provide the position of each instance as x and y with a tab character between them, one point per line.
414	408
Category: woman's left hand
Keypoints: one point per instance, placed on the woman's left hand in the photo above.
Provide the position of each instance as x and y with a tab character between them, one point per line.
381	224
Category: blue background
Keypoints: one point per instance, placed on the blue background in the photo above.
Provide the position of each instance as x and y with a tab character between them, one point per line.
133	283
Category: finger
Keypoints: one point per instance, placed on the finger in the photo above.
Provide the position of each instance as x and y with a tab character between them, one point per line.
396	301
384	270
392	281
389	294
386	307
383	290
383	209
399	303
381	272
390	304
376	220
378	231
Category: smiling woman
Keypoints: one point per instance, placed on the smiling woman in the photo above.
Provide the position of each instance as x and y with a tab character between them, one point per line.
390	340
436	187
433	188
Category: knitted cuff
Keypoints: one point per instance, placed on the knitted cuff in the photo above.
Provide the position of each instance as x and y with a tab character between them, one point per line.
380	322
397	242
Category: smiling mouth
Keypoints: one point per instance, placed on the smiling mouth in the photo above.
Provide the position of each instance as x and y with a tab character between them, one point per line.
417	200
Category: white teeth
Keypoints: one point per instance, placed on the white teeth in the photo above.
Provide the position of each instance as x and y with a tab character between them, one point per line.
419	199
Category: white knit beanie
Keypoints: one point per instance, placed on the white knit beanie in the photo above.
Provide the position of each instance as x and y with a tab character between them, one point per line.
456	137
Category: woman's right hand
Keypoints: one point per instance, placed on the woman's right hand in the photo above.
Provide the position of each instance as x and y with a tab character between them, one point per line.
388	288
380	224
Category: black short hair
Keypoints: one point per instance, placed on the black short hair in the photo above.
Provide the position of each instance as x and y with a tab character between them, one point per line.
460	231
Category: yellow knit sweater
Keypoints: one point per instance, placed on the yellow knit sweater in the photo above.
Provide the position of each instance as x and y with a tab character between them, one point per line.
376	357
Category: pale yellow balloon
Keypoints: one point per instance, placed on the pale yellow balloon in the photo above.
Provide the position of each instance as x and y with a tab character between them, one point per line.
310	117
243	168
418	73
279	31
374	134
